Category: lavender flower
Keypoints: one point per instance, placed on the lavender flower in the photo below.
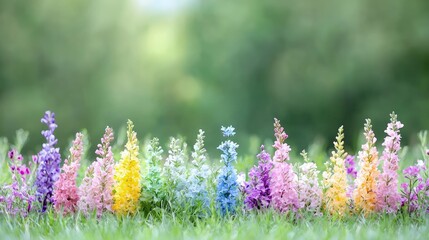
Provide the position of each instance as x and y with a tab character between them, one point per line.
257	190
227	187
49	160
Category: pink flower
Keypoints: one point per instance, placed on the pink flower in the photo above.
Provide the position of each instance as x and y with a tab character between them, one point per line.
283	179
97	186
65	190
388	198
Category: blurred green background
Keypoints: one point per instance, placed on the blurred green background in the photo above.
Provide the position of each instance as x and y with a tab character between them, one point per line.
174	66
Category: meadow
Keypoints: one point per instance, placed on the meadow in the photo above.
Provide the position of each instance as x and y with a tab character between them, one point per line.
185	193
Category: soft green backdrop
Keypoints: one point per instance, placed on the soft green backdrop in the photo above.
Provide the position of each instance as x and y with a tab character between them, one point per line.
176	66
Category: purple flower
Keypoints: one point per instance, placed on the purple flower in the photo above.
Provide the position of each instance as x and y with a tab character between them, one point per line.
404	186
11	154
350	166
411	172
17	196
257	190
49	160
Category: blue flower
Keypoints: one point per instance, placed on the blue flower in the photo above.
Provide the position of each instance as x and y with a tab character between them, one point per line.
227	186
228	131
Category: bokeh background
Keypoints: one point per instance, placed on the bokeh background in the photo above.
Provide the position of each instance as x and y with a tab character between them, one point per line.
174	66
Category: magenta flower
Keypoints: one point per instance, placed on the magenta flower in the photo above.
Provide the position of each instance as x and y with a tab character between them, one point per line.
17	198
411	172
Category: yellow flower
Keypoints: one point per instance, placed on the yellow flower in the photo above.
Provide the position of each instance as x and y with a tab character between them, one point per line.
364	194
126	191
335	179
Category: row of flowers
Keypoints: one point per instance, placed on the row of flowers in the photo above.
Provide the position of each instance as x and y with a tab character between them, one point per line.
125	187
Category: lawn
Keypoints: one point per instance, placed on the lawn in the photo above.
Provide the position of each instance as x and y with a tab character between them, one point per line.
269	225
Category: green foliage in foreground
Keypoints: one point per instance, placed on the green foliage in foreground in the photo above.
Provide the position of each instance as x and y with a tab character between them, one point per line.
268	225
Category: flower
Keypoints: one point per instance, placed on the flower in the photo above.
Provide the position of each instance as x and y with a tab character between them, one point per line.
309	191
257	190
196	192
127	189
414	193
17	197
387	195
153	192
228	131
175	172
411	172
227	186
283	182
49	160
335	180
96	188
351	171
350	166
364	194
65	193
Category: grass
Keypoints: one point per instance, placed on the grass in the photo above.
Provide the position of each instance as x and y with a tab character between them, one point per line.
267	225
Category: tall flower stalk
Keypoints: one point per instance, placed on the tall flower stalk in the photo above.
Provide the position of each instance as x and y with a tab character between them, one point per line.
335	179
153	192
65	193
284	192
227	186
196	192
366	182
388	198
309	191
49	160
127	177
175	172
258	190
97	186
